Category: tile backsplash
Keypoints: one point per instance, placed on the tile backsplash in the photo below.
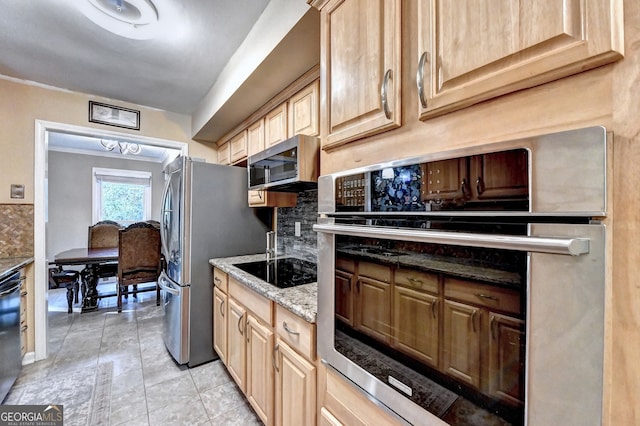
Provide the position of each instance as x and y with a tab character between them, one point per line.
306	213
16	230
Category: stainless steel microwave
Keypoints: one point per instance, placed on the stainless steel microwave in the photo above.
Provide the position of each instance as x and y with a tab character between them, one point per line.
289	166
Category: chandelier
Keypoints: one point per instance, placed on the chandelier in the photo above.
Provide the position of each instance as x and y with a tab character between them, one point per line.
123	147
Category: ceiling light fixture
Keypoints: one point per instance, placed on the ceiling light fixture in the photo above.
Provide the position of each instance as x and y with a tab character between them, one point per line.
124	147
134	19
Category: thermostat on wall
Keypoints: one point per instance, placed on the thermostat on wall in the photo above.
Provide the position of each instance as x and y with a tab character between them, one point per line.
17	191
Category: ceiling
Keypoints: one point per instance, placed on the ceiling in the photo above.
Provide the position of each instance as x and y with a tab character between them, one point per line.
91	145
52	42
57	44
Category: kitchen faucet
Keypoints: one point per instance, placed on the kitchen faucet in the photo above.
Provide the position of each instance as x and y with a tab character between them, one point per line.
271	246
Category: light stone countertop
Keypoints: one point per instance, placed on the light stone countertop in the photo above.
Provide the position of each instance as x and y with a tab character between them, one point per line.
302	300
12	264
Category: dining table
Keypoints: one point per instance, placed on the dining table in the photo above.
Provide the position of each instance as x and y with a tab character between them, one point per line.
98	262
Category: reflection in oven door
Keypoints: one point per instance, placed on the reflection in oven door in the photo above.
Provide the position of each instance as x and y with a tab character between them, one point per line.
446	325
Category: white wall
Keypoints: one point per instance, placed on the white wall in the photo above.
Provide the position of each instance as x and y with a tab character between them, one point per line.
69	195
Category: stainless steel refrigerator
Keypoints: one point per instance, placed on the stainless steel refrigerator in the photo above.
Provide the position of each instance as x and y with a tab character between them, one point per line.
205	214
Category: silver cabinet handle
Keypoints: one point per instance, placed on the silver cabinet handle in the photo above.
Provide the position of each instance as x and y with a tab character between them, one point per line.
288	330
221	308
383	94
273	359
217	280
420	79
434	308
557	245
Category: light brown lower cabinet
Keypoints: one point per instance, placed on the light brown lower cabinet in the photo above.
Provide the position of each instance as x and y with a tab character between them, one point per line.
277	378
340	403
328	419
220	323
259	389
236	347
295	387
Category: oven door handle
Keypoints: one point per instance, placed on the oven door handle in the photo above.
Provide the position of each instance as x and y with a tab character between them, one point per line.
573	246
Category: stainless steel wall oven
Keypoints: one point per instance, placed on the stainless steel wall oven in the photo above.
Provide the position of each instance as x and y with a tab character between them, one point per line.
470	282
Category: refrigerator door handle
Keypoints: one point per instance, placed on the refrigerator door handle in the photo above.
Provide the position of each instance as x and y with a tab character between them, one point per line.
167	286
163	227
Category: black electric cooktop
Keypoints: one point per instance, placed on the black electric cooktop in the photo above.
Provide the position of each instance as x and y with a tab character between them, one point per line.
282	273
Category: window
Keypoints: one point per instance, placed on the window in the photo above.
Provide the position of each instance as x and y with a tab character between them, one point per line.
121	195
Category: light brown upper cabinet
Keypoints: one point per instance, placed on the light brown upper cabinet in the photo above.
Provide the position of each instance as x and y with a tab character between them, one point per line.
224	154
303	111
472	51
238	147
255	137
360	60
275	125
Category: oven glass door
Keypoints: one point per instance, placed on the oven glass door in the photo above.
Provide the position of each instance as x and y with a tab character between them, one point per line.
461	320
441	324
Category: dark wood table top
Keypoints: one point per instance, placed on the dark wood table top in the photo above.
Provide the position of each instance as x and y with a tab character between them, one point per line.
85	256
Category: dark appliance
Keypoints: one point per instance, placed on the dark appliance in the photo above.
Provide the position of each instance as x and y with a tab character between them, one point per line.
10	352
283	273
475	275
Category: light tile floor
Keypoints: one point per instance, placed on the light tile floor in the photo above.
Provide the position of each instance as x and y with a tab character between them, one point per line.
142	384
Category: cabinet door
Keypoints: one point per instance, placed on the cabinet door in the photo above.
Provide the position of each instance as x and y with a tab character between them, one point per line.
275	126
328	419
220	324
224	154
344	297
506	358
360	65
416	324
461	342
255	137
260	369
445	180
500	175
236	347
295	388
472	51
374	308
238	147
304	115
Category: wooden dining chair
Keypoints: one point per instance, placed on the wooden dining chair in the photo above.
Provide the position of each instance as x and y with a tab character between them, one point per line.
104	234
138	260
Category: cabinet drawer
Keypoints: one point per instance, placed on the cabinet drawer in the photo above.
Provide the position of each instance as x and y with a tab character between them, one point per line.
423	281
220	279
375	271
344	264
495	298
259	305
298	333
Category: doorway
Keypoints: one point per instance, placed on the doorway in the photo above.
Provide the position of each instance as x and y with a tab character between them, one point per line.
45	130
